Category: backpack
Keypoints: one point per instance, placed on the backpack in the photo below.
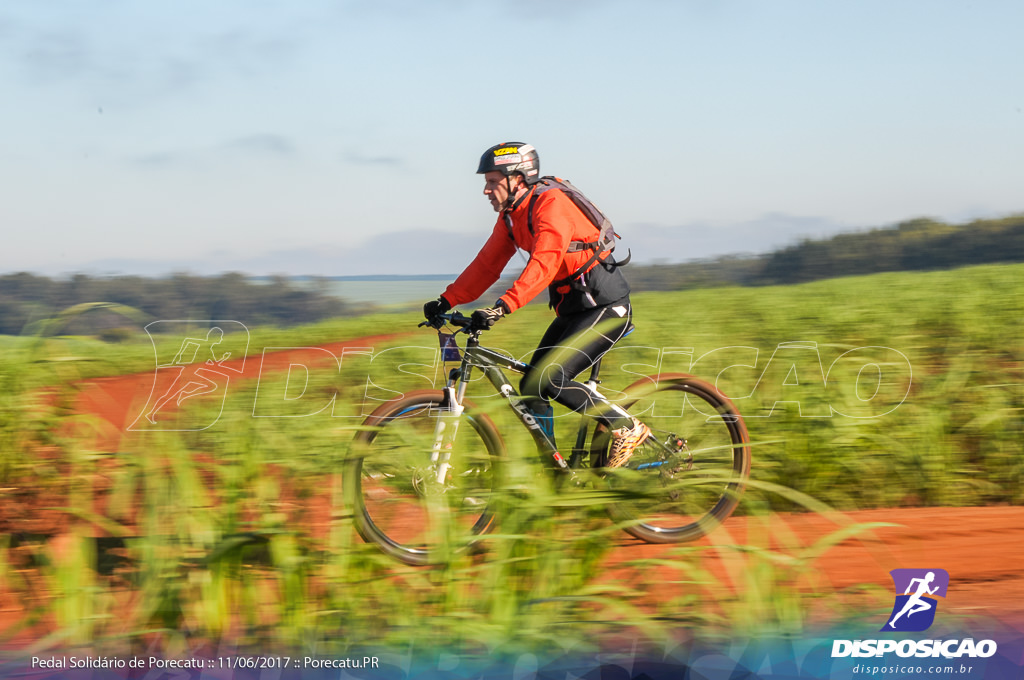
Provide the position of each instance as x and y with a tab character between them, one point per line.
590	292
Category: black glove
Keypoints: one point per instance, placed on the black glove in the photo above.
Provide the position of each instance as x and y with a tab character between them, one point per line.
487	317
435	307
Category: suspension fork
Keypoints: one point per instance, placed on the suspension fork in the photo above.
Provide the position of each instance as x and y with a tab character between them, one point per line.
447	425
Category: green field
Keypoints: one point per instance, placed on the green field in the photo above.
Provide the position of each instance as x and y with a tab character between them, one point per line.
881	391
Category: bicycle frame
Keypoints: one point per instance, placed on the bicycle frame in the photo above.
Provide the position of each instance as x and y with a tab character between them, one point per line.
492	363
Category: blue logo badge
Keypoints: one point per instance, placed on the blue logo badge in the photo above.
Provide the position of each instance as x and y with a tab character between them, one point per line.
914	609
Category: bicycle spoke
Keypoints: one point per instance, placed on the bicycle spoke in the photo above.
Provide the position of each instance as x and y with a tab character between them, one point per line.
688	475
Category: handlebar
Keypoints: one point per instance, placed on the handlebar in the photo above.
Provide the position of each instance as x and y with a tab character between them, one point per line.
457	319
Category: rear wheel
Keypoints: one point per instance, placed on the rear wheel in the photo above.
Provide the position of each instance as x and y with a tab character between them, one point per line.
415	508
688	476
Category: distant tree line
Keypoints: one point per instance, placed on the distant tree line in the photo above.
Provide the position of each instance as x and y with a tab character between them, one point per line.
27	298
914	245
919	244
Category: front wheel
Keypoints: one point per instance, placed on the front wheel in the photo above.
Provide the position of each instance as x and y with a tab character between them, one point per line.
688	476
420	480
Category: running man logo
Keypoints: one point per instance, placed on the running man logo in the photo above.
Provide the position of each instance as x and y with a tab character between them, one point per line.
914	609
197	365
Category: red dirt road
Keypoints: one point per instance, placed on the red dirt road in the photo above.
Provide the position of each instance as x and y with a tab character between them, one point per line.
981	548
119	400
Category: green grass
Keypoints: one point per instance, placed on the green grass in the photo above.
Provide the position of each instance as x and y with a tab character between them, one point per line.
217	522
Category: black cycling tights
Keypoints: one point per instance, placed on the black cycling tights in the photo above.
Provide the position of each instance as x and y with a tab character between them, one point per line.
571	345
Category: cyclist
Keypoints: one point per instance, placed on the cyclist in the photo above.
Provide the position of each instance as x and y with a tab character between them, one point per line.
589	295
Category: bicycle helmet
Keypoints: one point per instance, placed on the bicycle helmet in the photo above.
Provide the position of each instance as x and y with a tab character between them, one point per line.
509	158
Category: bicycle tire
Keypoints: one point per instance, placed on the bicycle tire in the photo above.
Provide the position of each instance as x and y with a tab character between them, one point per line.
395	501
675	498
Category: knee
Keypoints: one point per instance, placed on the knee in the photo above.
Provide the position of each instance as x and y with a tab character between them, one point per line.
543	384
529	385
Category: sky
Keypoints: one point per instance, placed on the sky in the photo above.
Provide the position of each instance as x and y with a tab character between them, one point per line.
341	138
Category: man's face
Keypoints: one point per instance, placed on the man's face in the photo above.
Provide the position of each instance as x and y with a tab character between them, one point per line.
496	188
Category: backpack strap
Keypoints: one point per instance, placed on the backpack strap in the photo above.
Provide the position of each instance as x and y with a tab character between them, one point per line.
507	215
533	201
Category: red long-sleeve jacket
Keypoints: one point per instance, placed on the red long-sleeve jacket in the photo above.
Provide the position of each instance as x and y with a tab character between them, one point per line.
556	222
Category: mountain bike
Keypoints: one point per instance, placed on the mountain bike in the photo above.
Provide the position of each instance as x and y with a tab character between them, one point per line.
424	472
